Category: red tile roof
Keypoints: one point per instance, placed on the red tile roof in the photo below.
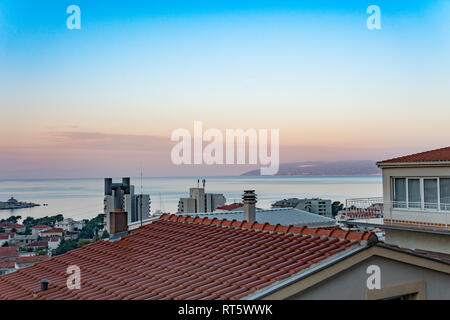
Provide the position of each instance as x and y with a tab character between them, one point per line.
11	225
31	259
9	252
181	257
7	264
231	206
4	236
38	244
53	230
41	226
442	154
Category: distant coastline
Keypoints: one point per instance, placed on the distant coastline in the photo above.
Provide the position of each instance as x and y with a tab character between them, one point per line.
323	168
13	204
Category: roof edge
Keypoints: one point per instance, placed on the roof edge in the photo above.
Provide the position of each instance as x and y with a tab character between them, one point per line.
336	232
305	273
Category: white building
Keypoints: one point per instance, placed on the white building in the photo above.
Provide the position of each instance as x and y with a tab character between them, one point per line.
5	238
316	205
69	224
53	243
416	202
199	201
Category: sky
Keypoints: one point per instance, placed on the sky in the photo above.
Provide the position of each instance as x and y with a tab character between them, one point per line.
105	99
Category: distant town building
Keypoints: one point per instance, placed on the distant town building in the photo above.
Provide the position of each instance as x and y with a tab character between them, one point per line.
236	206
53	243
121	197
316	205
199	201
36	230
10	226
286	203
5	237
52	232
69	224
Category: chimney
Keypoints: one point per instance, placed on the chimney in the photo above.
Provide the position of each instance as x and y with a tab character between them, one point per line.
108	186
44	284
118	221
249	198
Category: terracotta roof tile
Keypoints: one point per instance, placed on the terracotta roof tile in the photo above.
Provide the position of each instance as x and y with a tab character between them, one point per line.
442	154
181	257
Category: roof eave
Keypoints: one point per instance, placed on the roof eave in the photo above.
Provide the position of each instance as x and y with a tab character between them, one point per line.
382	164
305	273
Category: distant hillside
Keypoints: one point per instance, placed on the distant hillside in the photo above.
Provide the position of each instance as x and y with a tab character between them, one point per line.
322	168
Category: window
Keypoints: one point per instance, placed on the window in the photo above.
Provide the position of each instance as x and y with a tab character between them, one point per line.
399	192
430	193
414	197
421	193
444	185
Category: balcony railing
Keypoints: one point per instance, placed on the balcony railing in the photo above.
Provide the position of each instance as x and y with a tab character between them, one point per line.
430	216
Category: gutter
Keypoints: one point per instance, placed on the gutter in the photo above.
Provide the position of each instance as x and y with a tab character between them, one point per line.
416	254
444	163
393	227
303	274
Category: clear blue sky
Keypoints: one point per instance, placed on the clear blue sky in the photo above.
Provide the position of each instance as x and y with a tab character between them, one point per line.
144	68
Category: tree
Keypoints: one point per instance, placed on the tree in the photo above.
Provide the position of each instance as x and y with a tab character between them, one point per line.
336	206
64	246
83	242
5	244
41	251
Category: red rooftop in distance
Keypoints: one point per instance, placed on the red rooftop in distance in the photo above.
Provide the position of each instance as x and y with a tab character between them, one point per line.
182	257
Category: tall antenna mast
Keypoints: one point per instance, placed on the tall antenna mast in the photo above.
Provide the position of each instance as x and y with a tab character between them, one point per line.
141	196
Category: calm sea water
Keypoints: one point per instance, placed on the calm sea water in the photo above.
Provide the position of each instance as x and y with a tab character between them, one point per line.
83	198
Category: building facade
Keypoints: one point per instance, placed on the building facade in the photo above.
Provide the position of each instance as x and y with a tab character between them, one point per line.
121	196
199	201
316	205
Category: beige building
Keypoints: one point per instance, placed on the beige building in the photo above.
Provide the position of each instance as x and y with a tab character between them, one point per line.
199	201
416	201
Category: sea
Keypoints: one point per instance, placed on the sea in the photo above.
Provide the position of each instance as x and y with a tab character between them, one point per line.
83	198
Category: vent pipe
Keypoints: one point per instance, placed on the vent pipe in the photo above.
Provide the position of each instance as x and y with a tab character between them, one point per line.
249	198
44	284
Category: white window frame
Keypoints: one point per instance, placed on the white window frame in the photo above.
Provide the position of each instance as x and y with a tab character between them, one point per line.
422	193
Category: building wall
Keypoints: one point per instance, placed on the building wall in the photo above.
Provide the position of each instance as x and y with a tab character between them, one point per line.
318	206
433	242
351	283
199	195
214	200
187	205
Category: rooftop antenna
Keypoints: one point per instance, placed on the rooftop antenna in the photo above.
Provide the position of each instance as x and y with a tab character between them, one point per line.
140	202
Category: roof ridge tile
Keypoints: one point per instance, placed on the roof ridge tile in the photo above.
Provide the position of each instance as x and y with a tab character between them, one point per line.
335	232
